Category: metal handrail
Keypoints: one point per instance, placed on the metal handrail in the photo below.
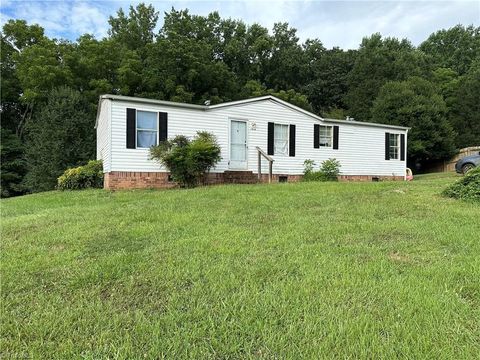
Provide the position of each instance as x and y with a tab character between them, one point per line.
270	164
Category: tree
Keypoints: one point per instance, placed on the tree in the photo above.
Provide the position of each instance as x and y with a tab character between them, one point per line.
286	59
416	104
20	35
465	114
254	89
183	61
16	36
134	31
95	66
61	136
326	74
455	48
13	165
40	68
379	61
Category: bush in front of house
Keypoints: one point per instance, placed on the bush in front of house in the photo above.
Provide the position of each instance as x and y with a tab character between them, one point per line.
82	177
188	160
329	170
466	188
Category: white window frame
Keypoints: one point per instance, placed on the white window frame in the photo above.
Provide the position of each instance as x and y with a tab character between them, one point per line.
275	153
329	135
146	129
395	147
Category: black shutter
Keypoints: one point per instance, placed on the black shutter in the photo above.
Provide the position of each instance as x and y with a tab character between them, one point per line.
402	147
131	128
335	137
387	146
270	139
291	141
316	136
162	126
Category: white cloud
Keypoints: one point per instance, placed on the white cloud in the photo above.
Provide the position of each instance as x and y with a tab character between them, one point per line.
335	23
61	19
351	21
86	18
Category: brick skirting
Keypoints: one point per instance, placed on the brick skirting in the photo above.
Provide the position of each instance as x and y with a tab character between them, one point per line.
118	180
369	178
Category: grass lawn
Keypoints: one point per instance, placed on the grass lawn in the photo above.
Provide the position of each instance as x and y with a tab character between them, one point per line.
307	270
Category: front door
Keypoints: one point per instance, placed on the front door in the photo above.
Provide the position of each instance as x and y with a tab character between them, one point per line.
238	144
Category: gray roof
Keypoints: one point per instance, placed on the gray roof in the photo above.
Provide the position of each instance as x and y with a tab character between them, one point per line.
242	102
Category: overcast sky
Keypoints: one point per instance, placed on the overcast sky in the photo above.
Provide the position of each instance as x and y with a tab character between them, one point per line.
335	23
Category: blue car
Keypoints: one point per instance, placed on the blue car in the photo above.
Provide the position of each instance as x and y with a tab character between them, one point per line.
467	163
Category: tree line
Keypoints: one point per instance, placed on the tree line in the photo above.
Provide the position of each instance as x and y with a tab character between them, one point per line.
50	87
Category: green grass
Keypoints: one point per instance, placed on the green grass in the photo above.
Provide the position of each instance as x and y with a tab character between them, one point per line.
308	270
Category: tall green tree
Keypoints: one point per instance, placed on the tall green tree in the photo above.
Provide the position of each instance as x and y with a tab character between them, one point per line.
61	135
465	114
182	63
284	66
16	36
135	30
12	164
95	64
379	61
455	48
415	103
326	78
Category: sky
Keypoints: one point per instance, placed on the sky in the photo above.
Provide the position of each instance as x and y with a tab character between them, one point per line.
335	23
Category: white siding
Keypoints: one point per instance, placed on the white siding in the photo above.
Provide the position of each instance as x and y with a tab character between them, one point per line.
361	148
180	122
103	134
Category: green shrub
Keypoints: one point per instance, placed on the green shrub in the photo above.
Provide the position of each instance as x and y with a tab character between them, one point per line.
467	188
82	177
329	170
188	160
308	166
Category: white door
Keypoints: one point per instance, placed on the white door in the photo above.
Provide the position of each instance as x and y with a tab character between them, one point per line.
238	144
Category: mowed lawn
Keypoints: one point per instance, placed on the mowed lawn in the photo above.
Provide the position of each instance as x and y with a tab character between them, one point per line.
307	270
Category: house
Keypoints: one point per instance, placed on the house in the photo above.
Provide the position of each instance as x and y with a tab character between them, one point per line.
261	129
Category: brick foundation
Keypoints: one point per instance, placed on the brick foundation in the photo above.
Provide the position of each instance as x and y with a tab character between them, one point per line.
280	178
119	180
369	178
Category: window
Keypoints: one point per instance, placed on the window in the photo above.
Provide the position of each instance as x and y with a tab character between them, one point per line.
147	128
394	146
281	139
326	135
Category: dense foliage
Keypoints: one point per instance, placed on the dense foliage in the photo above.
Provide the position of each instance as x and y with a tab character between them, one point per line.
467	188
82	177
188	160
60	136
415	103
329	170
196	58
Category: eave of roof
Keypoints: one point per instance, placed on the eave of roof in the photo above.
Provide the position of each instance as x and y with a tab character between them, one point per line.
153	101
346	122
240	102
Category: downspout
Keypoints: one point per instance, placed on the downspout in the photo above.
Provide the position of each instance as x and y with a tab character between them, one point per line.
406	146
